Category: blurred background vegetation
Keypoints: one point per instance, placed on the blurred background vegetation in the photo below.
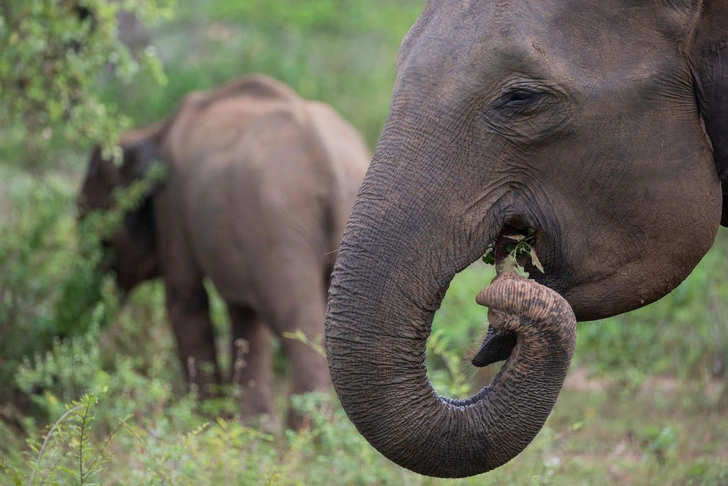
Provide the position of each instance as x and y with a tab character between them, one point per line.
646	400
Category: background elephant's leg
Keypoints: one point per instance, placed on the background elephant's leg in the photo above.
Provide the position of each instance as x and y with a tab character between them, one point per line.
252	361
308	369
188	308
302	308
187	300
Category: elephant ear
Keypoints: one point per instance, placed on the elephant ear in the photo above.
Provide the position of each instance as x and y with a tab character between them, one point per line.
140	155
709	59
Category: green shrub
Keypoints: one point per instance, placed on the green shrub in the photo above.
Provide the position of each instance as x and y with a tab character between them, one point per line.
51	286
46	290
53	53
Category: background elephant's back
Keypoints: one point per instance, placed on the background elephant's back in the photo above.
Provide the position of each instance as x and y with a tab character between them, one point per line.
347	157
263	181
212	121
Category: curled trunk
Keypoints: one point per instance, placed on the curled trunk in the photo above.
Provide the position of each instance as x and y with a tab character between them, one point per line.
379	374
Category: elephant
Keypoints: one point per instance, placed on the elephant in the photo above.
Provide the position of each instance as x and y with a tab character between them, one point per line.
599	128
259	185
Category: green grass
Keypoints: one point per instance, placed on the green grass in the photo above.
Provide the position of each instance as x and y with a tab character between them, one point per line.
659	435
645	402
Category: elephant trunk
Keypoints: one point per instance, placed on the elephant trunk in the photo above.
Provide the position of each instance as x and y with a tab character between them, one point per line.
376	333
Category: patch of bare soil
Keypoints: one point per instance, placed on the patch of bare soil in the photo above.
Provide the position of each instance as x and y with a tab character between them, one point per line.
579	379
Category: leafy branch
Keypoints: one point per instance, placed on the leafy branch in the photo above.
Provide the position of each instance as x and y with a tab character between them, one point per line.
52	55
78	439
519	250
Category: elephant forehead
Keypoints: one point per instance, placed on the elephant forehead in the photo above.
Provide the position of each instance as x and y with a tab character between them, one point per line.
478	44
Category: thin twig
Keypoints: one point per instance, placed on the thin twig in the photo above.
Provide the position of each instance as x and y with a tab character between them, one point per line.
108	441
82	475
48	436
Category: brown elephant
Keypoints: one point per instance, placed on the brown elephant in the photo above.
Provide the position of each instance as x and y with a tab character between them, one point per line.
259	186
596	128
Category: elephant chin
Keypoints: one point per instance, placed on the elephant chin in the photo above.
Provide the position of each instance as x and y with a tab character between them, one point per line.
392	403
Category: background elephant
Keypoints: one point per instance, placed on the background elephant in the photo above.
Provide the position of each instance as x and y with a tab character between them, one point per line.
260	184
597	127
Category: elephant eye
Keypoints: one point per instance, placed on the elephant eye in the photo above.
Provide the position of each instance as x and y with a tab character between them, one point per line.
520	98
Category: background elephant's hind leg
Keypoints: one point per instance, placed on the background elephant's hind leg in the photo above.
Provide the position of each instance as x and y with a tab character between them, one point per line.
251	364
189	312
303	317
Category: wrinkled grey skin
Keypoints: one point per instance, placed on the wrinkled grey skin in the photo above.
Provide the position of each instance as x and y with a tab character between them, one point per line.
260	184
598	124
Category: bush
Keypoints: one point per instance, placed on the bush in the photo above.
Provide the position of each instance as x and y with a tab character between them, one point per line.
47	289
53	53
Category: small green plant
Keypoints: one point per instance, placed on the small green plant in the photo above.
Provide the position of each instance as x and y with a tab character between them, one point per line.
519	250
68	453
316	344
168	462
446	374
658	442
66	371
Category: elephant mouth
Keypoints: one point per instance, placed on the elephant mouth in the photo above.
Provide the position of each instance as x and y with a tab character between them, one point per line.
519	240
498	345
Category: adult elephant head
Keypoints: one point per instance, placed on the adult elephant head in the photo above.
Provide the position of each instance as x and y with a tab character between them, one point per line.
599	126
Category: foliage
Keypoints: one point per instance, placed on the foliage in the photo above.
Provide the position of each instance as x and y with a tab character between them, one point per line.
51	286
53	52
520	251
64	372
71	452
138	432
46	290
132	430
445	368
